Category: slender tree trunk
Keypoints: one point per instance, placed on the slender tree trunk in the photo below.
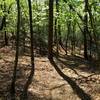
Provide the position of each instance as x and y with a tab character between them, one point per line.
73	39
85	31
75	87
57	28
56	36
85	40
68	32
29	81
5	34
50	35
93	27
59	34
24	37
6	39
17	52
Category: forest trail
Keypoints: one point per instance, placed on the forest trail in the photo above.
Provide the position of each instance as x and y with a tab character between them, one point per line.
47	84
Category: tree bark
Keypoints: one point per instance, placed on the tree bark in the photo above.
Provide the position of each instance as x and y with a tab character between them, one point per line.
17	53
50	35
4	23
85	30
29	81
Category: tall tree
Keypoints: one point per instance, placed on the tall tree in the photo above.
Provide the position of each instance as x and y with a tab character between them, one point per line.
24	95
56	28
85	28
6	39
17	52
69	24
50	35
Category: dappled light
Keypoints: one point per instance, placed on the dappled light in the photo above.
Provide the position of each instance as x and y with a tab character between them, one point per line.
49	50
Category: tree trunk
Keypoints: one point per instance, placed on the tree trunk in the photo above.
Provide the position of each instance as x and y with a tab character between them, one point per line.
29	81
67	37
17	52
85	31
50	35
4	23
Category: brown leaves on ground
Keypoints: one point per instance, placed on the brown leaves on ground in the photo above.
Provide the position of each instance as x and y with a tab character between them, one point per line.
47	84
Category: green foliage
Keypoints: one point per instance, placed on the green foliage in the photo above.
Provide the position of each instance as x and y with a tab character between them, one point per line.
65	16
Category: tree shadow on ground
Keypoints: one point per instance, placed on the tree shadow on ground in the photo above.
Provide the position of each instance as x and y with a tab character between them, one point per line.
81	94
76	62
5	81
6	72
30	97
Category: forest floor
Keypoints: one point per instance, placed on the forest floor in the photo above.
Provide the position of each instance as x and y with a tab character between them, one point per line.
47	84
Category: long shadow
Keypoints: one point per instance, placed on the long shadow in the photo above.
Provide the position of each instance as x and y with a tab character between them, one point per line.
5	82
81	94
76	62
